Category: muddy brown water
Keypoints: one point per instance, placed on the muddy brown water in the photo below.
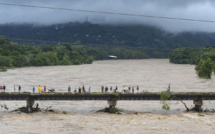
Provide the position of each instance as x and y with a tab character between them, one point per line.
152	75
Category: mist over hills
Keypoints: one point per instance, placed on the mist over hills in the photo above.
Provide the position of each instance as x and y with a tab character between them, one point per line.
101	34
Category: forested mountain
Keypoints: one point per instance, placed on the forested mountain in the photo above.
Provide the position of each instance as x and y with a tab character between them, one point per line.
115	35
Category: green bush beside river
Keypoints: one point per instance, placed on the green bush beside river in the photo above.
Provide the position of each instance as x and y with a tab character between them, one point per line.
203	58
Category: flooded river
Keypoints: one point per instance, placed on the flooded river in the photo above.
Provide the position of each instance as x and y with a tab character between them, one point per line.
152	75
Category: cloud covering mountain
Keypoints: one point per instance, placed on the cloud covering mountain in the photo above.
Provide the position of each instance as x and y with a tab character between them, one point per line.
192	9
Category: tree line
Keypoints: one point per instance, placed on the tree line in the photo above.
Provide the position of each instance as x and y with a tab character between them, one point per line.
203	58
19	55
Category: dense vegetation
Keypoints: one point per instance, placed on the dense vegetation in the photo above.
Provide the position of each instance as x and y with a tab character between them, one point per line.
12	54
15	55
157	42
204	58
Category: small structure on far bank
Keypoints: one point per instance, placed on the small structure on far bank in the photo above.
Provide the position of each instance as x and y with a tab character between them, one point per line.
112	57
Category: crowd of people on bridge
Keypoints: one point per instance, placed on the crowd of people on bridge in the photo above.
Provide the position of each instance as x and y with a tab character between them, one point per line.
104	89
82	89
4	88
129	90
40	90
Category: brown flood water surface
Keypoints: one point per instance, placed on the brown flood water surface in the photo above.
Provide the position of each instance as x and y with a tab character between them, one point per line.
151	75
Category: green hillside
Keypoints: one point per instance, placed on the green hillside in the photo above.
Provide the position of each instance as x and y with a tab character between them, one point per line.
125	41
115	35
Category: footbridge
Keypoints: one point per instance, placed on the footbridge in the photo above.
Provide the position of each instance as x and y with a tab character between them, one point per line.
112	98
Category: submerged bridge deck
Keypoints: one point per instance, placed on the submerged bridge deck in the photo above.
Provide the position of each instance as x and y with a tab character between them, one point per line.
106	96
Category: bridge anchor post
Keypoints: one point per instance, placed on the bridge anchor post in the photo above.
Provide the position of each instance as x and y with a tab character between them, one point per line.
29	104
198	104
112	104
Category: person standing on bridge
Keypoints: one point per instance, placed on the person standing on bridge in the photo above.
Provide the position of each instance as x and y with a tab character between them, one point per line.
39	89
83	88
132	89
102	88
14	88
89	89
44	88
115	90
106	89
129	89
79	89
168	87
110	88
4	87
138	90
33	89
69	89
19	89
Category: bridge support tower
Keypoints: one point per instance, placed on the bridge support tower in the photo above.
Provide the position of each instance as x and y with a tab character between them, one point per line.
112	104
198	104
29	104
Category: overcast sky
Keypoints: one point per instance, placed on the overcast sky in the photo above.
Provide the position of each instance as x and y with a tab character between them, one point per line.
192	9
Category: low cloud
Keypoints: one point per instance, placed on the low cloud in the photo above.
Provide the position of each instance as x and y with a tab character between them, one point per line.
192	9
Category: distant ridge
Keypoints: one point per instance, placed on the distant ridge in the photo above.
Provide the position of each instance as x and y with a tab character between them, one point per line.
115	35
